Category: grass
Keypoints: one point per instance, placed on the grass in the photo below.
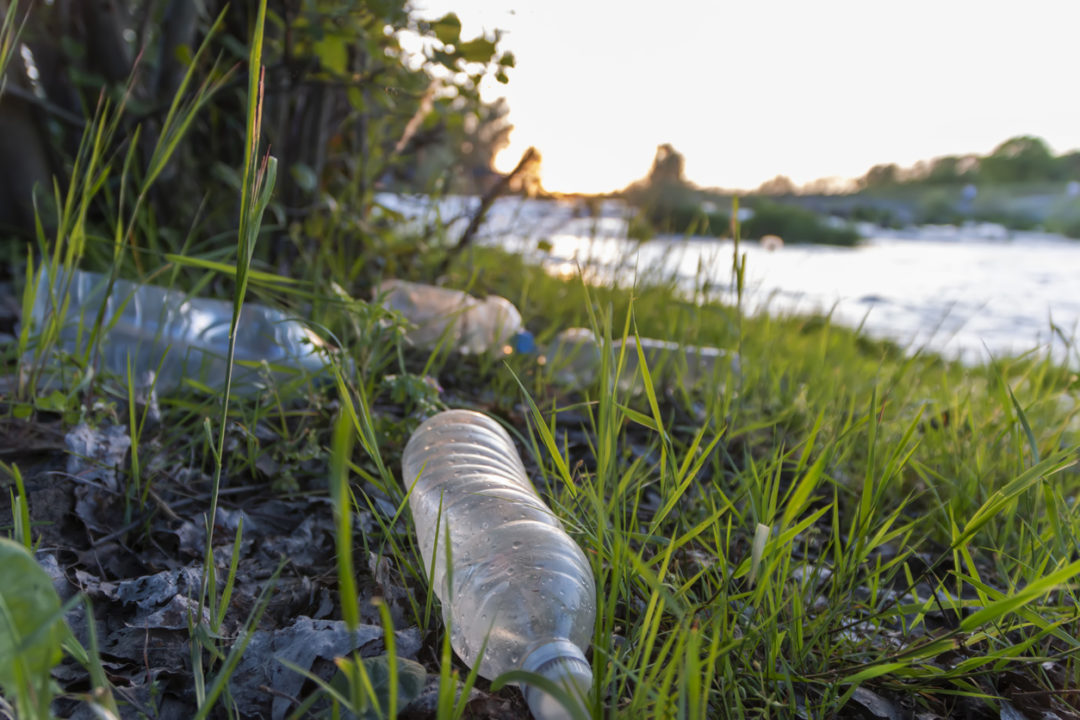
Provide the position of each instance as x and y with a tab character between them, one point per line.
783	562
842	516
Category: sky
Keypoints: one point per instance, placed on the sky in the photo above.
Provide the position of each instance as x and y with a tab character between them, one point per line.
753	89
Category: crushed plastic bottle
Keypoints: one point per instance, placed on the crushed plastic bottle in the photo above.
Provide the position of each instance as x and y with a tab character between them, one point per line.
669	362
518	580
574	356
148	323
467	324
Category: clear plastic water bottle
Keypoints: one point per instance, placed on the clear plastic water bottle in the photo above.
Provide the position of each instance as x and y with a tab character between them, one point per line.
467	324
517	581
574	357
669	362
148	323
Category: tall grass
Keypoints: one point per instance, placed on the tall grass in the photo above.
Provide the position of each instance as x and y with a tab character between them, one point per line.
838	515
855	516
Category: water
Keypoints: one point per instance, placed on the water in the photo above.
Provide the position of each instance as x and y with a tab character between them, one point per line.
969	293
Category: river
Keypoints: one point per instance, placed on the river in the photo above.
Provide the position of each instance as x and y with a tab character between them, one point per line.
968	293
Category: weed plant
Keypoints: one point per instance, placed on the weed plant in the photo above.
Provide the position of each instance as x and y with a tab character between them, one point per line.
841	517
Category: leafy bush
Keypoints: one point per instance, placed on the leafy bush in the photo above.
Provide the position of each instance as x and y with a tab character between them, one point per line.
1067	226
689	220
1010	219
349	108
795	225
885	217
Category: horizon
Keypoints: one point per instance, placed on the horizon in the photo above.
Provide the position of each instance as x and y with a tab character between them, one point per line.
746	93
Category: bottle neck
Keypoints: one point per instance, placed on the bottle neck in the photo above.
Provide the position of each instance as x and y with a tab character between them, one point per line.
564	664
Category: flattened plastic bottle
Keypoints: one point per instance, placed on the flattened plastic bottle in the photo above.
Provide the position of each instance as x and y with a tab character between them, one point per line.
467	324
518	581
670	362
147	323
574	356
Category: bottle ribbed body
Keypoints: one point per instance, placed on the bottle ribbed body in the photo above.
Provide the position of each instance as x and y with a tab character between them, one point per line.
517	578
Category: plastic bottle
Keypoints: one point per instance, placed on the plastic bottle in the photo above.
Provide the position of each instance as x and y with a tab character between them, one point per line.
467	324
669	362
148	323
518	580
574	356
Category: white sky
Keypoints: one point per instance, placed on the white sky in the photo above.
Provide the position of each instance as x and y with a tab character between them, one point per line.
752	89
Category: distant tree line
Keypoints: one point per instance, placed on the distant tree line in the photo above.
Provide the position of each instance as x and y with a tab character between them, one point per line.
1022	159
933	191
669	204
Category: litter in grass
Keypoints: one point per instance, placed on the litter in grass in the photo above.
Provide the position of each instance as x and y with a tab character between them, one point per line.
96	453
302	644
875	706
173	334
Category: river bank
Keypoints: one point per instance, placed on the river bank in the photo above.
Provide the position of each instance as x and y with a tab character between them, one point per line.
971	292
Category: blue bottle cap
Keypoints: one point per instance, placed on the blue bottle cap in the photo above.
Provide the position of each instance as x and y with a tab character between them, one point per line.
524	342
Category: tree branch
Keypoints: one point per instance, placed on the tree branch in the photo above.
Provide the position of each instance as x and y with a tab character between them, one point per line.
486	201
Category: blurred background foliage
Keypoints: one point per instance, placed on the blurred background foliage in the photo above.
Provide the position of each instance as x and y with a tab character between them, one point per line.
1021	185
360	95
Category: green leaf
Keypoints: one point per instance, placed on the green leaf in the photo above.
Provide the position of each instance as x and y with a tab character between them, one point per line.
479	50
55	401
801	495
333	53
182	52
872	672
31	627
304	177
356	98
546	435
258	277
995	611
448	29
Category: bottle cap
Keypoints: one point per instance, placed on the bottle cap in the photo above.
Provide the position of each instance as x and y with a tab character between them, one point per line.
562	662
524	342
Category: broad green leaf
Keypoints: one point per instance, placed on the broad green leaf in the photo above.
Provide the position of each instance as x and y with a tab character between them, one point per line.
30	634
447	29
479	50
333	53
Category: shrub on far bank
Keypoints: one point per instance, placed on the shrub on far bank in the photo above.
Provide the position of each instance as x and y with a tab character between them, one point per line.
880	216
795	225
1010	220
938	209
1069	226
688	220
